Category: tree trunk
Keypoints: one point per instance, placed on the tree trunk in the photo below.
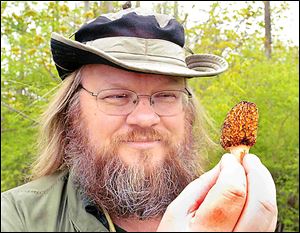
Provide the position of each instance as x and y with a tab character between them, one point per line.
176	10
137	3
86	9
268	40
165	7
86	6
107	6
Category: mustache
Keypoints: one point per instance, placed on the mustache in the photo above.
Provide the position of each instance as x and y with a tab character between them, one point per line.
142	135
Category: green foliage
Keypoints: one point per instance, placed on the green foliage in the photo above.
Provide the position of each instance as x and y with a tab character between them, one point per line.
28	78
272	84
28	75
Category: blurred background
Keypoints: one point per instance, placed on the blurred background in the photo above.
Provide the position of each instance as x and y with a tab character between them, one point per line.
259	39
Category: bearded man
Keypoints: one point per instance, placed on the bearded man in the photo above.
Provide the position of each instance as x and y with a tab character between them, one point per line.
122	142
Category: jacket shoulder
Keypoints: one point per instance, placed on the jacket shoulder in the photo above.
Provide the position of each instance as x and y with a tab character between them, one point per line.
37	186
27	207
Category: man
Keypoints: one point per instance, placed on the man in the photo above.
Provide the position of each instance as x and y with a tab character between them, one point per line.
122	141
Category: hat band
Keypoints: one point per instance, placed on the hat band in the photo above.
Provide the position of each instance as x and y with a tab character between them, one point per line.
133	48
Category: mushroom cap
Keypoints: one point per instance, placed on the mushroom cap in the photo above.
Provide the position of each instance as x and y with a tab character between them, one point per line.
240	126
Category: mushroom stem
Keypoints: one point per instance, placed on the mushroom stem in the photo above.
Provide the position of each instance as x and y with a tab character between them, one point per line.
239	151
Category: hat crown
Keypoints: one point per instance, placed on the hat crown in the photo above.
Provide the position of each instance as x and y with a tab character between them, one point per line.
132	22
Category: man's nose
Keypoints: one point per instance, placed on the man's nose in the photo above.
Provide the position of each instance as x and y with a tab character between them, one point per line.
143	115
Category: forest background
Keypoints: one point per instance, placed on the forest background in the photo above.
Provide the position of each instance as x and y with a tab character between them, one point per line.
263	69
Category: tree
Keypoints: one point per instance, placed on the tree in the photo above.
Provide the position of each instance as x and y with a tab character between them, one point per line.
268	40
176	10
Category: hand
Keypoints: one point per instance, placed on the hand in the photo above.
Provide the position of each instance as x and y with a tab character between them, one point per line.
220	200
260	211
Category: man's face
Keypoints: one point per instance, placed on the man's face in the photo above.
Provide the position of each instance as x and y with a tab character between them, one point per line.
133	164
141	138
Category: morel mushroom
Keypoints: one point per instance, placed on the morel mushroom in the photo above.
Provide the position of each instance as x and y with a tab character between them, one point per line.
239	129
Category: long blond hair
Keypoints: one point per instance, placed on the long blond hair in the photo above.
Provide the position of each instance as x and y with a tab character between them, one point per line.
51	141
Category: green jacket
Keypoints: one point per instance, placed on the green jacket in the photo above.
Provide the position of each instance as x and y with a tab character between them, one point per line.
47	204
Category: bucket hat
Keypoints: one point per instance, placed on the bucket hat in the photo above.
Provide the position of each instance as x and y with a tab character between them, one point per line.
133	39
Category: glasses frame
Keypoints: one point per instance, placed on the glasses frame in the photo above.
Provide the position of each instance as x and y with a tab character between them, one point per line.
95	94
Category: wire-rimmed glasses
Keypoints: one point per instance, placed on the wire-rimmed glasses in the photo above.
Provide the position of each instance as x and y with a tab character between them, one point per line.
118	102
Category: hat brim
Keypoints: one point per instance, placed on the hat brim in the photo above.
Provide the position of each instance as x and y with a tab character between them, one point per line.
70	55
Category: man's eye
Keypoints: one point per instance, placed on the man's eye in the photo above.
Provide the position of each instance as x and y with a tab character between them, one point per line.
118	96
165	98
167	95
116	99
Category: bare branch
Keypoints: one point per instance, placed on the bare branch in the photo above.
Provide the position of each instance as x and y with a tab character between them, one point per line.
54	77
17	111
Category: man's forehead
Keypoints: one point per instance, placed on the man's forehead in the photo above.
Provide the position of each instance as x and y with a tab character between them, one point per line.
152	78
105	74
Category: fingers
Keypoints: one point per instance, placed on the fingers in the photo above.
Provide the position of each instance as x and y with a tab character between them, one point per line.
260	212
194	193
176	217
223	204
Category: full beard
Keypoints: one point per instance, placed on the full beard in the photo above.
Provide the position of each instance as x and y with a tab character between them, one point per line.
130	191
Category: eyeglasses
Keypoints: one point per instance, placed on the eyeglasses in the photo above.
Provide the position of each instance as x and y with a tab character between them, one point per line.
120	102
